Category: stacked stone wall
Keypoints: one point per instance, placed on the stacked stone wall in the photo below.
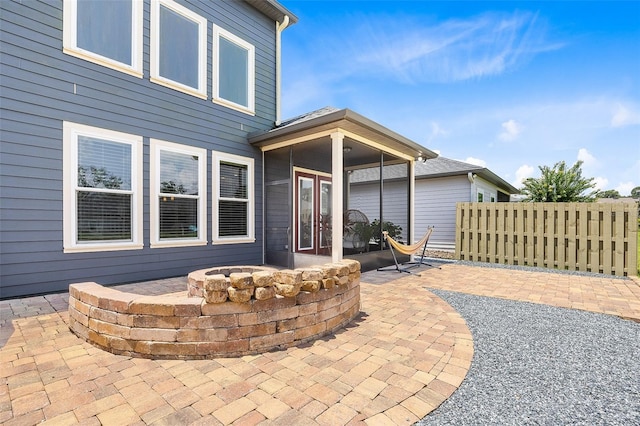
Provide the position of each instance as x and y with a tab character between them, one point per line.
293	307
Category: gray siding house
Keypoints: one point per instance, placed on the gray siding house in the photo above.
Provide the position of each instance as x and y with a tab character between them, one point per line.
440	183
124	137
142	139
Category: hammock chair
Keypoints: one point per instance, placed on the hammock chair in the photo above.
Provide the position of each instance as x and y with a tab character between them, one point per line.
408	250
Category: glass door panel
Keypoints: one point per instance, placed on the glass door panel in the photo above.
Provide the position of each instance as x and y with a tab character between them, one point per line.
306	216
313	213
325	216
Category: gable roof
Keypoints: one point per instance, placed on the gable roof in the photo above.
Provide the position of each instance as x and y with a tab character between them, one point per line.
273	10
434	168
328	118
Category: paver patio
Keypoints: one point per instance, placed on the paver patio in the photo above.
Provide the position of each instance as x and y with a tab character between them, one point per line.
405	354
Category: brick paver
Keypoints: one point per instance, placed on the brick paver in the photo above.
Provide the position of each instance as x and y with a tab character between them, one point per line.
594	293
404	334
401	358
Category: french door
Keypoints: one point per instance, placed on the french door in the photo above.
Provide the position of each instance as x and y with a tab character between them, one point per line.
312	212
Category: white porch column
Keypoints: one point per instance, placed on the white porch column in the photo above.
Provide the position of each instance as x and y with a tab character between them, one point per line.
337	161
412	202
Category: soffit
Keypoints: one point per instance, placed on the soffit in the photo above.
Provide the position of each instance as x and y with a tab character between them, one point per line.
273	10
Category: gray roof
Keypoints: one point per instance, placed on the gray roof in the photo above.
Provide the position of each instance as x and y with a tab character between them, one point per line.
346	119
307	116
433	168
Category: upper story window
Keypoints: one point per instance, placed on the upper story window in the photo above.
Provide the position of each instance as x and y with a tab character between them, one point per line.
178	48
102	189
178	194
234	199
106	32
233	71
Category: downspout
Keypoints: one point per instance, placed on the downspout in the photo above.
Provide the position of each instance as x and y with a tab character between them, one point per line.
279	28
472	195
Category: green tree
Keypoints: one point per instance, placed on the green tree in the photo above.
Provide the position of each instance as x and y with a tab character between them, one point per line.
560	184
635	192
609	193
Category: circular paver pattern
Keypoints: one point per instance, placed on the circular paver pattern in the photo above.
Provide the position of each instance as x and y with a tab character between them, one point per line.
405	354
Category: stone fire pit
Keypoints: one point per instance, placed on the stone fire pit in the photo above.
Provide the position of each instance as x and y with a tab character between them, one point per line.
226	311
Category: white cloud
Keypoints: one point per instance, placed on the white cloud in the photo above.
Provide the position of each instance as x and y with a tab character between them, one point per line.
623	116
437	151
454	50
587	159
601	183
436	131
523	172
476	161
624	188
510	131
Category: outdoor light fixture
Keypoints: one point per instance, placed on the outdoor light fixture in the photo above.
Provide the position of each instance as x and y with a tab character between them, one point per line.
346	149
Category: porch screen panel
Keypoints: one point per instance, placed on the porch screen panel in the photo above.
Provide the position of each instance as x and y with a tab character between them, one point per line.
278	198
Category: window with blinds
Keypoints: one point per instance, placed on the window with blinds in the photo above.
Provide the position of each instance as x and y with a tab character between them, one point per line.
234	203
178	182
234	200
101	192
178	198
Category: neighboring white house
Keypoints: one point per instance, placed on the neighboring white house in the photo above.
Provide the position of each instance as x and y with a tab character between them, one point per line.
440	183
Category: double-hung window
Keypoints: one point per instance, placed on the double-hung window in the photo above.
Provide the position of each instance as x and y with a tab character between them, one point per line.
178	48
233	71
234	199
102	189
178	194
106	32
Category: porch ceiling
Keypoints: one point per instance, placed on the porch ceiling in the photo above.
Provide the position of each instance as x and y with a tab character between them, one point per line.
322	123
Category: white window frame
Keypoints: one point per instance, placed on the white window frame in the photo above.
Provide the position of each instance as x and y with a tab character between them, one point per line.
154	183
251	72
71	132
70	39
201	90
220	157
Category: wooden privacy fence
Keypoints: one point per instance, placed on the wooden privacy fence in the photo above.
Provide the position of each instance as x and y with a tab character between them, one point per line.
590	237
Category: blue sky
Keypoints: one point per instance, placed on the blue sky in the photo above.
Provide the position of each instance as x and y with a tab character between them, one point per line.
507	85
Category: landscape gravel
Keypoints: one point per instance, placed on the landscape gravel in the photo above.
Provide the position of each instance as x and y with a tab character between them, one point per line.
541	365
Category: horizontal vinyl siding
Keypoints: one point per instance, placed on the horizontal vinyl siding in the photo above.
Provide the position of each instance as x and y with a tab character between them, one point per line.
436	206
42	87
366	198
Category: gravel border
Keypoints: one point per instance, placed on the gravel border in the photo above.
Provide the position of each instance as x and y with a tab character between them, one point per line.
542	365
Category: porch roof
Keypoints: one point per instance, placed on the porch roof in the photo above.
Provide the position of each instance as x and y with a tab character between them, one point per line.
327	120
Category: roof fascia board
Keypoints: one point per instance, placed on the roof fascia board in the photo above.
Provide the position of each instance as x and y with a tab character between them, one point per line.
483	173
273	10
295	141
378	128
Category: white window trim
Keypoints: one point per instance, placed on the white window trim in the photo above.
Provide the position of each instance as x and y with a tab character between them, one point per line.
71	131
70	40
154	184
219	157
249	109
201	90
